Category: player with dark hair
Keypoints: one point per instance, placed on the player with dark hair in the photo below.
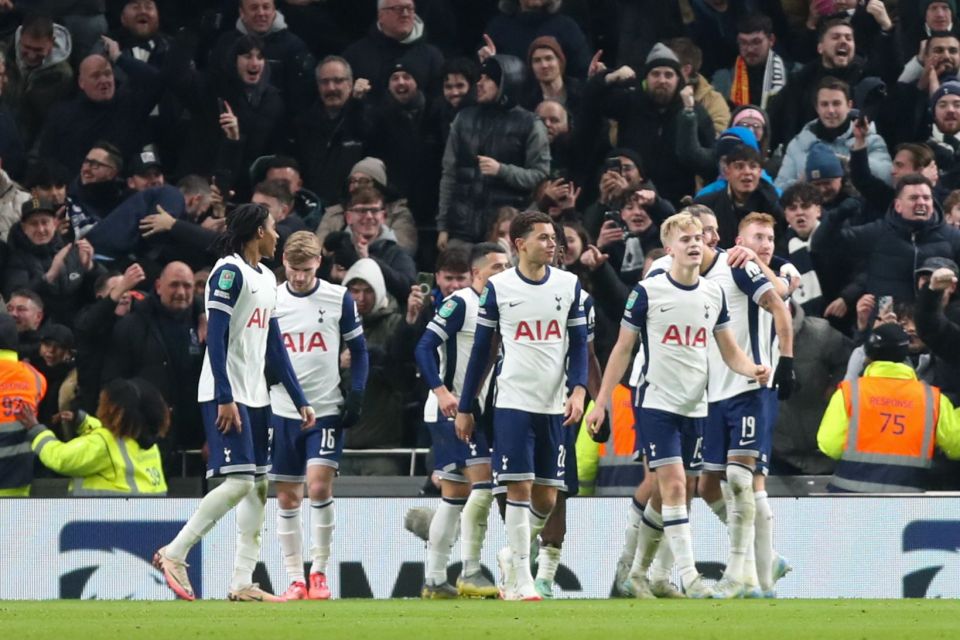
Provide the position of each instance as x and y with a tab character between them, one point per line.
464	467
243	337
536	310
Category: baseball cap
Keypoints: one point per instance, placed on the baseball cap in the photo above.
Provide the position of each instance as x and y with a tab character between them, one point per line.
145	161
936	262
888	342
38	205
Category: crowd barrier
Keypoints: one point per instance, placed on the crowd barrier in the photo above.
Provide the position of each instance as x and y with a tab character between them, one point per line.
840	547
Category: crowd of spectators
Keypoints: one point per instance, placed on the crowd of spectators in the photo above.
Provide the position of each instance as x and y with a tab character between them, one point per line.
401	131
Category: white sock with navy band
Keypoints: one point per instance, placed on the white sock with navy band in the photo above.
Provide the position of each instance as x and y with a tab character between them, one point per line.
649	536
676	529
517	522
443	533
323	520
290	536
537	522
473	526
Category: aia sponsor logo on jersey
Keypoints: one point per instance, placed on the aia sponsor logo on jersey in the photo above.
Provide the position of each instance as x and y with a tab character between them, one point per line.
685	337
259	318
538	331
304	342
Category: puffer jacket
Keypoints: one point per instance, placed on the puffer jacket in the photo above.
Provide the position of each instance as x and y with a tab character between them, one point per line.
795	159
893	247
501	130
28	264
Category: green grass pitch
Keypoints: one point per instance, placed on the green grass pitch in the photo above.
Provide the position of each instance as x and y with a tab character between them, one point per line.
468	619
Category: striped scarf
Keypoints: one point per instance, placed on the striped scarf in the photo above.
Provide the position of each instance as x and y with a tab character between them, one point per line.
774	79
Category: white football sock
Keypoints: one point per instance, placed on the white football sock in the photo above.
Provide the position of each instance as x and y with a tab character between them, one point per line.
548	560
631	531
473	526
537	522
676	529
763	543
648	539
290	535
662	563
212	507
443	533
740	521
323	520
250	514
517	522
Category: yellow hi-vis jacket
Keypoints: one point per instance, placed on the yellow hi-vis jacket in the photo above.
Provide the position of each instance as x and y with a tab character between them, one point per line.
882	428
101	464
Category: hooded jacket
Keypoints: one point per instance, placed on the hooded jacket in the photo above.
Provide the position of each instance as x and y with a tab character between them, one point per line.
505	132
373	56
259	109
380	425
31	93
892	246
290	61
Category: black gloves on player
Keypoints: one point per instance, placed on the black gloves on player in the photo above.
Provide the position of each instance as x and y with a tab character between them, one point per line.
783	378
351	409
603	433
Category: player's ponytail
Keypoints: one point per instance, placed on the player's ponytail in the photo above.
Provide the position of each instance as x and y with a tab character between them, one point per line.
242	225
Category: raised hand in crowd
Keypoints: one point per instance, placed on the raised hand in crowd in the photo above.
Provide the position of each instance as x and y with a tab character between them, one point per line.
159	222
487	50
85	253
592	258
229	122
596	65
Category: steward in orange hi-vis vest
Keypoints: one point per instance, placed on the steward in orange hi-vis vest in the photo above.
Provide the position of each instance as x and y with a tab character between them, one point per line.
883	426
20	384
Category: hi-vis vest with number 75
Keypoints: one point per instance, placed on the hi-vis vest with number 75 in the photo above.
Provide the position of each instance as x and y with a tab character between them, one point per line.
891	435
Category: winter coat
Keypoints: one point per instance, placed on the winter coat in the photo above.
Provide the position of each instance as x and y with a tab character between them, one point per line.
511	135
327	148
373	56
713	102
653	131
513	31
819	363
729	214
290	61
398	218
794	164
380	425
893	247
31	93
26	269
73	127
12	197
163	348
259	110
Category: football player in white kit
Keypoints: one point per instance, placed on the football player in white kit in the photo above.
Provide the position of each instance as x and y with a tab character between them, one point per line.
465	477
535	309
675	313
242	339
316	319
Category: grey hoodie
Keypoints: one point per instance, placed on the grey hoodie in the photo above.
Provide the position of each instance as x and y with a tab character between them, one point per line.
62	47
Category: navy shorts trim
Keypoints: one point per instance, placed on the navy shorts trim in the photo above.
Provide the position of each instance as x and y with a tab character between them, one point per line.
451	455
668	438
529	446
246	452
294	450
736	426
